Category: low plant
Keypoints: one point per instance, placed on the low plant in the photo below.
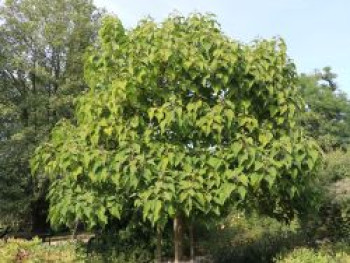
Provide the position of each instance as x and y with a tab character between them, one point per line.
19	250
336	253
241	238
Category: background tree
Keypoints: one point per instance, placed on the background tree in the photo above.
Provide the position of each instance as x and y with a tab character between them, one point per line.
327	120
179	120
327	117
41	71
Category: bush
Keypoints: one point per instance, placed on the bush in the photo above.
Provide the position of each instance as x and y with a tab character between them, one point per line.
131	241
305	255
333	218
19	250
125	255
117	249
337	166
338	253
251	239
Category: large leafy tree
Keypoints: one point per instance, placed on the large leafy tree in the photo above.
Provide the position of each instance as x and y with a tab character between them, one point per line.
41	69
179	121
327	116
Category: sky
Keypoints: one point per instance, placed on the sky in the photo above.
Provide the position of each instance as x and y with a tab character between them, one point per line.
317	32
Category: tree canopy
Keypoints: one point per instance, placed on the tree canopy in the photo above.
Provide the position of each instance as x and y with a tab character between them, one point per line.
179	119
327	116
41	70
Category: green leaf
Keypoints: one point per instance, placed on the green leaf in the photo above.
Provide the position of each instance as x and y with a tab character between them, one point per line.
255	179
236	148
115	211
214	162
243	179
242	192
151	113
258	165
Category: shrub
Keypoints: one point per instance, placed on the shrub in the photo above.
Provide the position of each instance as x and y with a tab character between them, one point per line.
333	218
251	239
323	255
19	250
129	240
34	251
337	166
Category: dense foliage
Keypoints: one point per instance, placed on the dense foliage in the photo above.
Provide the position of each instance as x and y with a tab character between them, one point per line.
327	116
41	70
243	238
327	120
333	219
179	120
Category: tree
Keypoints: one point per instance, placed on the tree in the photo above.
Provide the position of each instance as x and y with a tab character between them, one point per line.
327	118
41	69
179	121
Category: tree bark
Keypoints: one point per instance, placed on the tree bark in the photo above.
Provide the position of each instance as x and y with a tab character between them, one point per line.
178	237
159	245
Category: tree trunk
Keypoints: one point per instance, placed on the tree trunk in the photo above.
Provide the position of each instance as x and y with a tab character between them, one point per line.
178	237
75	230
191	233
159	245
